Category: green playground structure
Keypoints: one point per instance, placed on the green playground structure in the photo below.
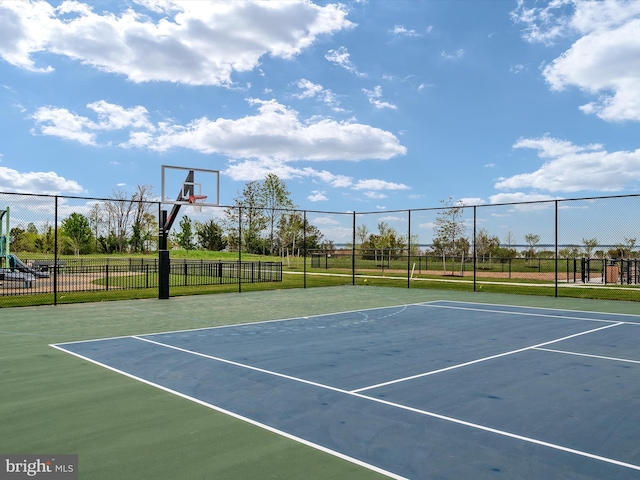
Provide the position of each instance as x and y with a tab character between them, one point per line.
12	269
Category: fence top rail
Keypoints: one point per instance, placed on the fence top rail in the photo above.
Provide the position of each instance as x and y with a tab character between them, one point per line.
351	213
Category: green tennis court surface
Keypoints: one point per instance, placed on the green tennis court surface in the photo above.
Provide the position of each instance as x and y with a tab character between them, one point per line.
349	382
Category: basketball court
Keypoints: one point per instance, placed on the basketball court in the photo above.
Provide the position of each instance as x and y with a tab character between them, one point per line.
434	389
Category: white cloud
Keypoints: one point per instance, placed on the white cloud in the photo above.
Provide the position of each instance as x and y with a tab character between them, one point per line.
197	43
542	24
374	98
327	221
60	122
524	202
317	196
373	184
604	60
44	183
375	195
470	201
341	57
400	30
276	132
518	197
453	56
572	168
311	90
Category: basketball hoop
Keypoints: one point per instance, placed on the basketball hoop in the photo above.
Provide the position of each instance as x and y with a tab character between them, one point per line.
194	201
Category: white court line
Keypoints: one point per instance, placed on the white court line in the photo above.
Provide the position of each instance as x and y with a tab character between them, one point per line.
492	357
243	418
587	355
243	365
537	308
365	397
528	314
403	306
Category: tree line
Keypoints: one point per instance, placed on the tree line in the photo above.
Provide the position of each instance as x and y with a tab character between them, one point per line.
263	219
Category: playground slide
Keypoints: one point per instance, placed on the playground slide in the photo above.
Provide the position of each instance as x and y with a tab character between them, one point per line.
15	276
19	265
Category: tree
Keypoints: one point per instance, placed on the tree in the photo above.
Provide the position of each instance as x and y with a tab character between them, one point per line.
23	240
485	244
96	221
210	235
45	243
509	239
532	240
571	251
144	222
449	230
275	197
119	217
589	244
77	229
247	207
387	242
184	237
630	244
362	233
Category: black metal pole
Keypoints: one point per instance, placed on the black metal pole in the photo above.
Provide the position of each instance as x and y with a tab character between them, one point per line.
164	263
353	252
475	260
409	250
304	249
239	249
556	254
55	253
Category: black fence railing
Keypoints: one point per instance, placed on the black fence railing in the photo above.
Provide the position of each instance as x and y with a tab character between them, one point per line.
581	247
86	275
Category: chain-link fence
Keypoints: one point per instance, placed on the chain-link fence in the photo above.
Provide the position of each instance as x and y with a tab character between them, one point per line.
58	249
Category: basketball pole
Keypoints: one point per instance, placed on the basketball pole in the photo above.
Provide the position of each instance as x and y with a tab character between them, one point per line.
164	265
166	221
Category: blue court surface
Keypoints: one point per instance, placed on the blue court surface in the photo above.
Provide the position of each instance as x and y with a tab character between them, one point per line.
438	390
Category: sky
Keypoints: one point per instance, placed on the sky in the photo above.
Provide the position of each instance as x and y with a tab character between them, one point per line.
365	105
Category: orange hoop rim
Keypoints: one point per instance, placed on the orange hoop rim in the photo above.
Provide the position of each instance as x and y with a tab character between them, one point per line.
196	198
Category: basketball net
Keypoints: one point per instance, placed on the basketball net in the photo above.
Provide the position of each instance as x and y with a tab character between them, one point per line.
196	200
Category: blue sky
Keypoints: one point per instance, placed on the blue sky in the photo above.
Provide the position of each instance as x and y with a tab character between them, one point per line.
358	106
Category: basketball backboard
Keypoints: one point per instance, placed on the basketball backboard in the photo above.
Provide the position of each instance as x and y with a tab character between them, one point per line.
184	185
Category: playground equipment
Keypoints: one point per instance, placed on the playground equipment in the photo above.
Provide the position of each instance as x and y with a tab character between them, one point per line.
12	269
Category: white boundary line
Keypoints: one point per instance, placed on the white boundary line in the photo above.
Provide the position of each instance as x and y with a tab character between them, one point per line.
365	397
245	324
534	308
240	417
578	354
242	365
492	357
528	314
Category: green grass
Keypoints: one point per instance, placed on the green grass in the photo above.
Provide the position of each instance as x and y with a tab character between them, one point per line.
338	274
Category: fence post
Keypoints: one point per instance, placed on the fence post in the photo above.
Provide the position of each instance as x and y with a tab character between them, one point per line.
353	251
304	249
239	273
475	260
409	250
556	250
55	253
